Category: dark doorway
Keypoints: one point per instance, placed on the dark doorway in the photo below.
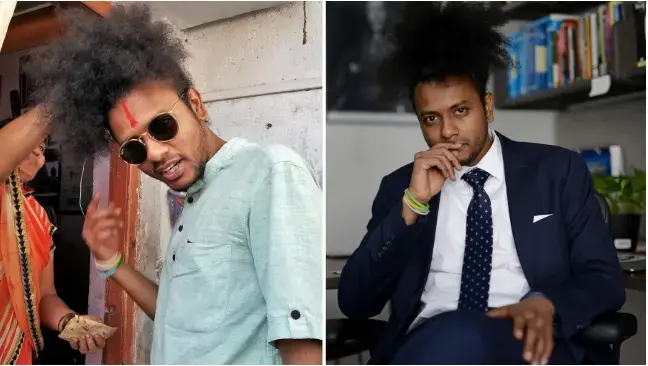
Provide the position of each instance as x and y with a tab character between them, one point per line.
56	187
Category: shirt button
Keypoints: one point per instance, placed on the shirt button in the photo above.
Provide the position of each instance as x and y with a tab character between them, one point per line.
190	199
173	257
295	314
180	228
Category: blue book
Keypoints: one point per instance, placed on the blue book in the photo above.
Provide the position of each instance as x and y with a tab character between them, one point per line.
538	55
525	60
598	160
513	80
543	45
617	12
552	26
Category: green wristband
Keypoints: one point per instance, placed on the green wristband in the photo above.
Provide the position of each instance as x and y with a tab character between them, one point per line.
415	201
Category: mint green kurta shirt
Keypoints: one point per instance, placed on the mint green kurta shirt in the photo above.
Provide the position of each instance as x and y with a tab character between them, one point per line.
244	265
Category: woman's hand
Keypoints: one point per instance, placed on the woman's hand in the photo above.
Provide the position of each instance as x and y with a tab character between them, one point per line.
88	344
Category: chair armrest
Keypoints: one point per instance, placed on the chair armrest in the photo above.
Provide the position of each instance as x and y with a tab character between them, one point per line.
358	330
346	337
610	328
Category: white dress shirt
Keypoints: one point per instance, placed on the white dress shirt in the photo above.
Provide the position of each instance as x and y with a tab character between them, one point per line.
508	283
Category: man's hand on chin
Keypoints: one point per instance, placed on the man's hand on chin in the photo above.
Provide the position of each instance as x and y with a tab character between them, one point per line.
533	320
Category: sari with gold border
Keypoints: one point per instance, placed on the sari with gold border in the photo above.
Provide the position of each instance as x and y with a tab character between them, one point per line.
25	250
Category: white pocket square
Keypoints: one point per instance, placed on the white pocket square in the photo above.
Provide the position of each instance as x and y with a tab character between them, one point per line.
537	218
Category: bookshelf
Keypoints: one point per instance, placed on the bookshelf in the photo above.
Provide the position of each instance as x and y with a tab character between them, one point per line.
563	97
532	10
622	76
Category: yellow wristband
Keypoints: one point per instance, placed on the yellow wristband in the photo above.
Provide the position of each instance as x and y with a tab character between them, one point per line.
414	201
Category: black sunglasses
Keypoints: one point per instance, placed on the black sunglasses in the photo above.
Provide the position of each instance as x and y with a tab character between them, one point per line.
162	128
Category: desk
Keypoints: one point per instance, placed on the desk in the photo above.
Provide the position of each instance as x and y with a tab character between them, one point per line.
333	269
632	281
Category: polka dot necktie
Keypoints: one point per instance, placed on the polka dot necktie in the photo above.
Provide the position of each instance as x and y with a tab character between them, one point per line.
478	255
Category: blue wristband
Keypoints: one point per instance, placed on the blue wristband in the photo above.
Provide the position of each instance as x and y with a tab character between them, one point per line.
108	273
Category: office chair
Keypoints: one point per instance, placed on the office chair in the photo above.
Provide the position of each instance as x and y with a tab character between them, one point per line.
610	329
346	337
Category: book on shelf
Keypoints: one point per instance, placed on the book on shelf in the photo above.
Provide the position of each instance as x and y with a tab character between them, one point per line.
640	21
604	160
560	49
514	71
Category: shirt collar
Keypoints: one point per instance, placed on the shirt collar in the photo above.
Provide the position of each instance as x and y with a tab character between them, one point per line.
220	160
492	162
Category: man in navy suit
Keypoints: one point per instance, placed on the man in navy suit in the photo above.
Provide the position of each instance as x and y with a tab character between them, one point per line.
491	251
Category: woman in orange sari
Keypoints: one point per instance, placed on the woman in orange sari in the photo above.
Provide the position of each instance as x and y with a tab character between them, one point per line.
28	297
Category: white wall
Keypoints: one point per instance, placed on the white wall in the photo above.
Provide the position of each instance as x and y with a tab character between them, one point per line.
260	81
622	123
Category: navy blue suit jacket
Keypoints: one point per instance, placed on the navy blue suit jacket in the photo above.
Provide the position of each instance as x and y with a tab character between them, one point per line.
569	256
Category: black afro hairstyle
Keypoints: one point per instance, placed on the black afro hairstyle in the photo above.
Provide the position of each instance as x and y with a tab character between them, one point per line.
437	40
81	76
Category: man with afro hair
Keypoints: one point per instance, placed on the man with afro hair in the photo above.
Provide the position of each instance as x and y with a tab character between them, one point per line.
491	251
242	277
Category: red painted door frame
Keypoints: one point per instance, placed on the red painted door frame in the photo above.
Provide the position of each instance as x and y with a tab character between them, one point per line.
124	184
120	309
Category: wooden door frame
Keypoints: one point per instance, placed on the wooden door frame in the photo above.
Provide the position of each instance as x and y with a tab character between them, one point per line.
123	191
42	26
124	184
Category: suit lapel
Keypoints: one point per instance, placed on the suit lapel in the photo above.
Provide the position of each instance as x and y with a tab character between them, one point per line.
519	182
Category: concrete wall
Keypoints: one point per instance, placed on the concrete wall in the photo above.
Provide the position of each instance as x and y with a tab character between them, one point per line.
153	237
260	77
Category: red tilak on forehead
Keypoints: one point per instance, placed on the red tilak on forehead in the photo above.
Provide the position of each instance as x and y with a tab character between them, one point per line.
129	116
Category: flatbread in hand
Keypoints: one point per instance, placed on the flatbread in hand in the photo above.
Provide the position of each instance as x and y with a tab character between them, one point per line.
81	326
